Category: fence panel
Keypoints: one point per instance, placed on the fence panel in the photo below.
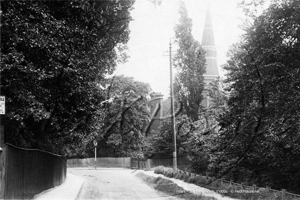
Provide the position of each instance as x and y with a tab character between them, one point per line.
123	162
29	172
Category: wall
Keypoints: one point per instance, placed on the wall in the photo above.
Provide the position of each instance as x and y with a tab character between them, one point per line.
126	162
28	172
123	162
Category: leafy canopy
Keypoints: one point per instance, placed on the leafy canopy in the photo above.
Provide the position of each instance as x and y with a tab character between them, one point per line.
190	63
53	53
259	138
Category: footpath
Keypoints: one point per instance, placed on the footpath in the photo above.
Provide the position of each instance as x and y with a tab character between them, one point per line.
68	190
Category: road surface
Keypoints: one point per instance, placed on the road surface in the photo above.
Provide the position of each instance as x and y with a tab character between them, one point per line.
115	184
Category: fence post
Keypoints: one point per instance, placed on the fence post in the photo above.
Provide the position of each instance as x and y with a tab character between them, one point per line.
267	188
222	181
254	187
230	182
283	191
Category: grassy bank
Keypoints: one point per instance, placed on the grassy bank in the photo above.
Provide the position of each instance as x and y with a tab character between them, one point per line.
170	188
217	185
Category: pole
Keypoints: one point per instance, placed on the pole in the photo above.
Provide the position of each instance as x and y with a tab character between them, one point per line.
95	156
172	112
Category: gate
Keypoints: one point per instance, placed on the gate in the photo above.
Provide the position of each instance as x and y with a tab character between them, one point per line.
138	163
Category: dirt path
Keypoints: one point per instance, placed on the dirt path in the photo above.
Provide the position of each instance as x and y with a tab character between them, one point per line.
115	184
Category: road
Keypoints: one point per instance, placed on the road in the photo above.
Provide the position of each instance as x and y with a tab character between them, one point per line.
115	184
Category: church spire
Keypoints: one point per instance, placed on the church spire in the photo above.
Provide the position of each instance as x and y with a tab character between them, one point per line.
208	43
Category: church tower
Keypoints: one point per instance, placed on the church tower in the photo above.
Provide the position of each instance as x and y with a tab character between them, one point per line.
208	43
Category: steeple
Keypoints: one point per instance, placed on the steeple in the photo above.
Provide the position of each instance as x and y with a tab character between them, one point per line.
208	43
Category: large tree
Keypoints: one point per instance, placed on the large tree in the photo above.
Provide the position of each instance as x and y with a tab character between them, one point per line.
53	53
260	134
127	114
189	61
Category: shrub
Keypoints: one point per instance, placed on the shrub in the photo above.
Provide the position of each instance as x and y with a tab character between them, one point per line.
177	174
169	173
185	177
201	180
159	170
216	184
192	179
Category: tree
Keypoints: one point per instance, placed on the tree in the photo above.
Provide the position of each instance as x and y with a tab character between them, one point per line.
53	53
126	116
190	63
160	143
259	137
218	98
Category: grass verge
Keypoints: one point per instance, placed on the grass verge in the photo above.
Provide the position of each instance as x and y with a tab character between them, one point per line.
233	191
170	188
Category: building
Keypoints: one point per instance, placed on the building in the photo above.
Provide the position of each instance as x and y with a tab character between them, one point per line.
208	43
156	109
160	108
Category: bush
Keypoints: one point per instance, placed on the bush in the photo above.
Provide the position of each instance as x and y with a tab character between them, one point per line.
177	174
159	170
192	179
169	173
185	177
216	184
201	180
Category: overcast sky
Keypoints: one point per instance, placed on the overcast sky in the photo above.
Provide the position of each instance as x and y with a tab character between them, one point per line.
153	26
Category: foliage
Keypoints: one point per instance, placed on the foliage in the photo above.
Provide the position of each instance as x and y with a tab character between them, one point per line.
160	143
190	63
194	138
53	53
223	188
252	8
126	116
218	98
259	136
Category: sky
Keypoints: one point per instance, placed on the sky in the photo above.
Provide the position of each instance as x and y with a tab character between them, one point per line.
152	30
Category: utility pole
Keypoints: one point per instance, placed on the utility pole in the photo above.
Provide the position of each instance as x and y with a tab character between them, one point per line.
172	111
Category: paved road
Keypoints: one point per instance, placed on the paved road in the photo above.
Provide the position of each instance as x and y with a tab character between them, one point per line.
115	184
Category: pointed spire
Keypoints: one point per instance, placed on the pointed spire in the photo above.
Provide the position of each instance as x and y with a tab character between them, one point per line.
208	34
208	43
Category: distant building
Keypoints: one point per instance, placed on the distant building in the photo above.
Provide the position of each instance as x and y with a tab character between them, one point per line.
208	43
156	110
160	108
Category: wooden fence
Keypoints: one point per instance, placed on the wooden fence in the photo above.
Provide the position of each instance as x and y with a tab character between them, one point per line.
128	162
27	172
123	162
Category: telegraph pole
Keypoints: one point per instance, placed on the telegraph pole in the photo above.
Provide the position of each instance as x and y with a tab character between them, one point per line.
172	111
